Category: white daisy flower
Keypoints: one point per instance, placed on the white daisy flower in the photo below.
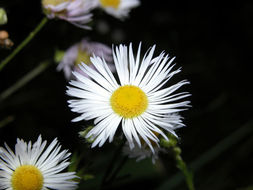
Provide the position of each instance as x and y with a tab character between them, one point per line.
31	167
138	101
77	12
118	8
140	153
81	52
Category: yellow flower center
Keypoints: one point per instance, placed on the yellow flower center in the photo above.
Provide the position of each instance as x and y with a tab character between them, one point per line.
110	3
53	2
82	56
129	101
27	177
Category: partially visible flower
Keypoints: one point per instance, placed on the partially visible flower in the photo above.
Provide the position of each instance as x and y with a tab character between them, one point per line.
81	52
77	12
139	102
140	153
118	8
31	167
3	16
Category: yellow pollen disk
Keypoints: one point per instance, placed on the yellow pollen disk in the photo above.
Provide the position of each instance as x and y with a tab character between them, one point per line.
27	177
129	101
110	3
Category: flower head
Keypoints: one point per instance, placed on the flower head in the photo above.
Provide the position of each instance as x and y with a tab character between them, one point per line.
118	8
77	12
140	101
32	168
81	52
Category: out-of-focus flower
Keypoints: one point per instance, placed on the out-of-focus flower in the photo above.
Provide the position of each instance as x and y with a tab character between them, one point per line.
138	102
118	8
3	17
81	52
77	12
32	168
140	153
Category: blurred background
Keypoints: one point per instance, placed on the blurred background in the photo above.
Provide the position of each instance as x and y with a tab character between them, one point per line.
212	43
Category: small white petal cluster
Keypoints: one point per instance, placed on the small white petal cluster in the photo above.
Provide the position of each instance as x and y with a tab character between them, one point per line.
51	162
140	153
67	63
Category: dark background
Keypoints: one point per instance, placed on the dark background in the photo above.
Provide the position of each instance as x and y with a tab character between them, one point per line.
212	43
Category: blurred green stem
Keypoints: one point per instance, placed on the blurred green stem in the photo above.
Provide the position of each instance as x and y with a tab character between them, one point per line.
187	174
111	164
117	170
171	146
24	43
24	80
211	154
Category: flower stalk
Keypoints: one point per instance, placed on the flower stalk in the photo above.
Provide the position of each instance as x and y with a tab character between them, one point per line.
24	43
24	80
171	145
108	177
183	167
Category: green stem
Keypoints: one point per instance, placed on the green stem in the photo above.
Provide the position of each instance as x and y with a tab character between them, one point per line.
117	170
187	174
24	80
111	164
211	154
24	43
171	145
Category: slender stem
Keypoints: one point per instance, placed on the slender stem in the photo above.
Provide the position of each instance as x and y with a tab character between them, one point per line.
172	147
24	43
116	171
211	154
24	80
111	164
187	174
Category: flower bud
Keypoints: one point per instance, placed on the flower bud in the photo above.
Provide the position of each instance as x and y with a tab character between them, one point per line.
58	55
172	142
3	16
85	132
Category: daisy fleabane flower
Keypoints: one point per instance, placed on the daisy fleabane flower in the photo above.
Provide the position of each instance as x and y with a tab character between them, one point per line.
31	167
118	8
139	102
77	12
81	52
